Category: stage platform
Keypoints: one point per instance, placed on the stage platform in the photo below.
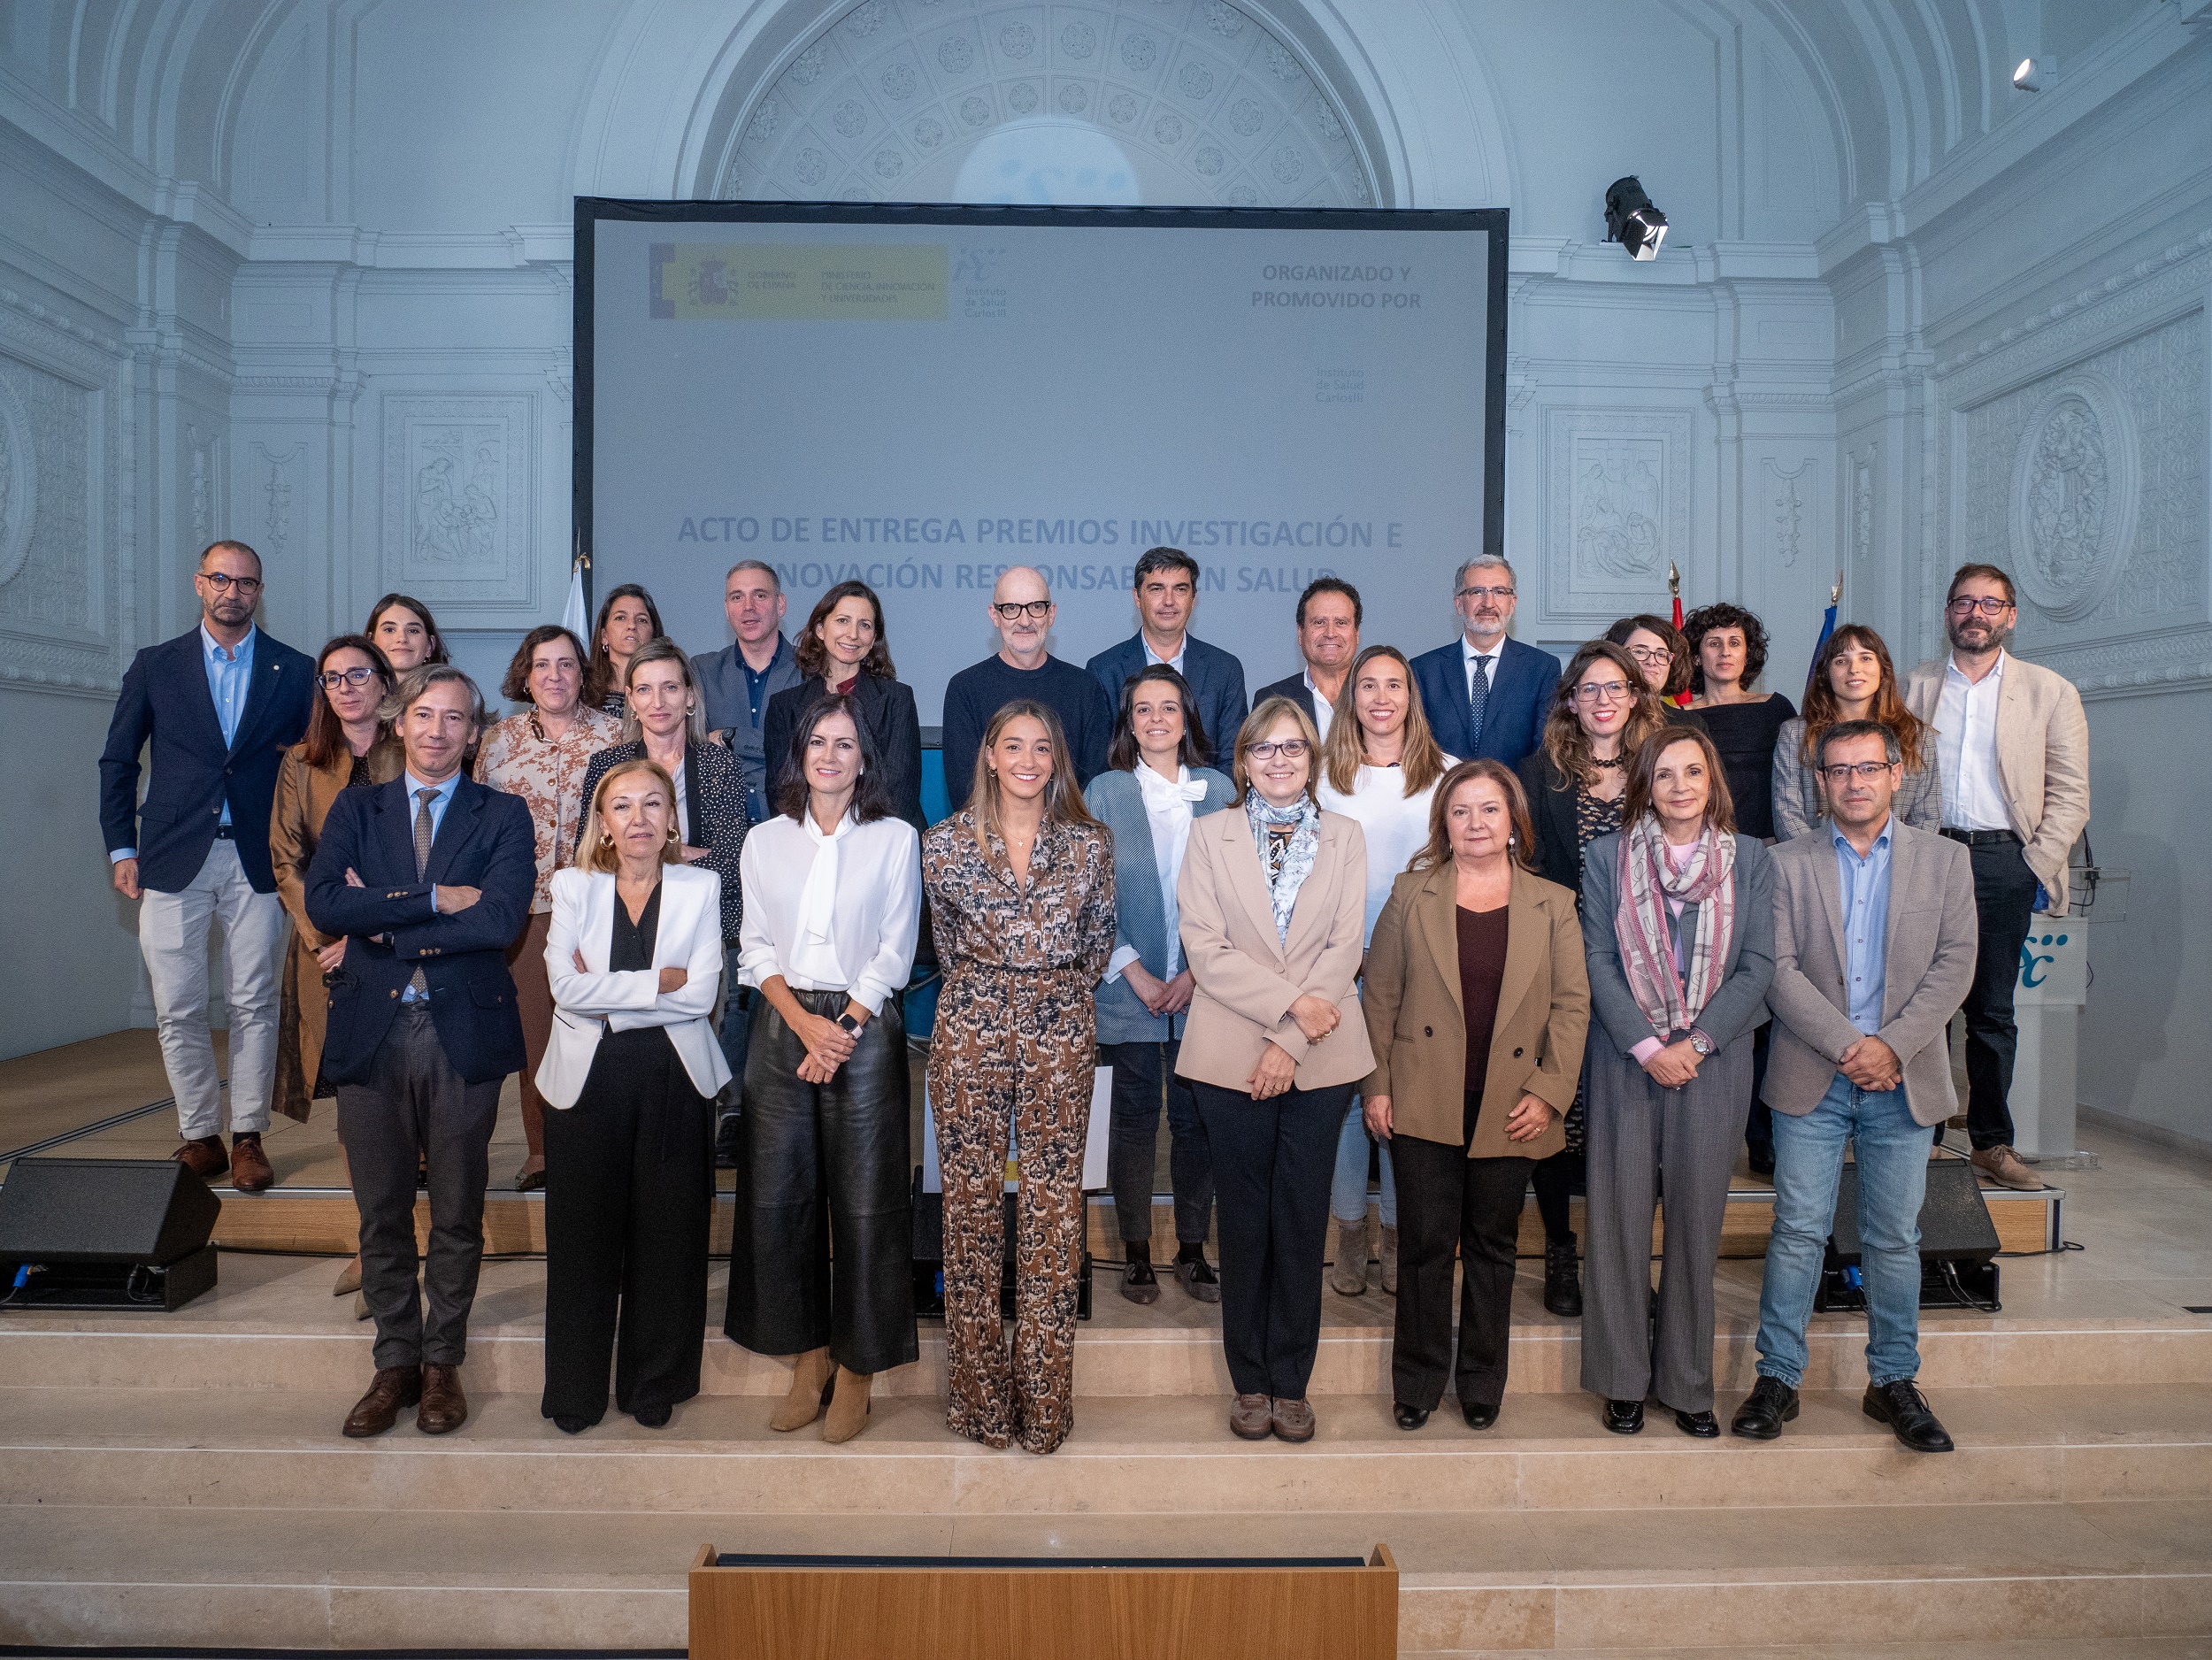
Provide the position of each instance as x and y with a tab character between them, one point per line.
177	1481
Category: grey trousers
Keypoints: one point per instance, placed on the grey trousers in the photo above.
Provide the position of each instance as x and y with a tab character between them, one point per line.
1640	1140
415	1107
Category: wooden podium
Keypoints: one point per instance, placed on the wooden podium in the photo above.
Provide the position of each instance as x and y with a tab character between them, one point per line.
998	1608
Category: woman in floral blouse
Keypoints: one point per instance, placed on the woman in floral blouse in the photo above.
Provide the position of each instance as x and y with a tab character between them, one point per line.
541	755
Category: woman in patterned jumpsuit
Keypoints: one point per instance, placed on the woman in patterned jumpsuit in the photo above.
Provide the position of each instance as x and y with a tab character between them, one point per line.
1021	888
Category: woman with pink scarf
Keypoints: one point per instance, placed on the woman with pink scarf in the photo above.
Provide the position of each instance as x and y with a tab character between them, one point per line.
1677	921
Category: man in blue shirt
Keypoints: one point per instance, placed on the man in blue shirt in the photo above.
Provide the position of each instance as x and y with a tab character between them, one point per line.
1166	592
215	709
1874	944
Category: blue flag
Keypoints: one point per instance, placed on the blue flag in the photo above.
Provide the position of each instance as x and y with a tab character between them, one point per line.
1827	626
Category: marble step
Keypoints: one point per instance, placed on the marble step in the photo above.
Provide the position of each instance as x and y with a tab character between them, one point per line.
2120	1573
1165	1455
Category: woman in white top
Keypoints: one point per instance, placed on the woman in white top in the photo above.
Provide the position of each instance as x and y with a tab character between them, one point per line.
1380	766
1151	790
634	957
834	901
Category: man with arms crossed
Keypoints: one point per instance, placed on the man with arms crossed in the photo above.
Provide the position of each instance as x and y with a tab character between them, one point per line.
1873	949
429	877
1167	593
1486	696
2015	750
220	705
1021	610
1329	616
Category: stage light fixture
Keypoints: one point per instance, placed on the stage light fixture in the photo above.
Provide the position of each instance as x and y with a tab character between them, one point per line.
1631	219
2027	78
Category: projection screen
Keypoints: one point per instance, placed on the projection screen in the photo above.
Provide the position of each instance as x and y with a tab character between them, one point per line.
921	396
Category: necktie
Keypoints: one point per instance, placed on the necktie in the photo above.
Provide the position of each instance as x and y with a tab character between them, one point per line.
419	986
1478	699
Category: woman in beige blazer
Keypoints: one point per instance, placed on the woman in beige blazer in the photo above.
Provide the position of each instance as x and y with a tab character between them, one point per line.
1273	901
1477	1002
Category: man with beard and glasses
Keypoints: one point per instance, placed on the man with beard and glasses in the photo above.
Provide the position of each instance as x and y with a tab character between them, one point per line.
1021	610
1486	695
2014	746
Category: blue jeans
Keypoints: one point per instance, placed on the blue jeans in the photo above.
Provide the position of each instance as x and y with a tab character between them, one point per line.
1892	1152
1347	1188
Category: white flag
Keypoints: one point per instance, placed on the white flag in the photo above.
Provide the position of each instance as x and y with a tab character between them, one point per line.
573	619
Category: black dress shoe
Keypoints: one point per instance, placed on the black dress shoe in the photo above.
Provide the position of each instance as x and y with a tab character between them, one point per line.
1704	1425
1479	1414
1901	1405
1562	1281
1770	1404
568	1423
1409	1418
654	1416
1625	1418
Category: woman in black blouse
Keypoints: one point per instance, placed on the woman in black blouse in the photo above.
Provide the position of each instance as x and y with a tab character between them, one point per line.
844	650
628	620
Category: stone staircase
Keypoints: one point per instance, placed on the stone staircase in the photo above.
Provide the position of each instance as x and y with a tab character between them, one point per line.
177	1481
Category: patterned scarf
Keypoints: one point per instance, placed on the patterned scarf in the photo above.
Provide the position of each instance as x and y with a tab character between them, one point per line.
1286	860
1672	1001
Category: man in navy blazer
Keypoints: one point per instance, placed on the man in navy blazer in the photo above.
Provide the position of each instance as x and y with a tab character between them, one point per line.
1501	716
429	877
219	707
1167	593
1329	616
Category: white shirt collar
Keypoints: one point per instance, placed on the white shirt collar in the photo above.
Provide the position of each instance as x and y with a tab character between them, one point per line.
1152	656
1952	672
845	826
1467	652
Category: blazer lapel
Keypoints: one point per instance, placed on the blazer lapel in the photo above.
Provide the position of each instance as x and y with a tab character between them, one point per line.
1524	923
1250	877
1904	878
1437	918
396	811
2012	713
455	828
1829	887
199	697
260	692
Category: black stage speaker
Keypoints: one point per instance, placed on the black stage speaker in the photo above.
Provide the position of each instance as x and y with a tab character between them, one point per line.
104	1233
929	1260
1958	1242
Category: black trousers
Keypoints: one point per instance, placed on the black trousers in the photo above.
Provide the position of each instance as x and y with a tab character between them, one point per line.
817	1163
1144	1080
1758	1130
1273	1163
1447	1199
2004	907
417	1109
629	1184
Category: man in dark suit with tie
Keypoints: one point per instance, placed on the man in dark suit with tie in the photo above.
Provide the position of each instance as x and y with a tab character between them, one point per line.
1329	616
1166	594
219	706
429	877
1487	696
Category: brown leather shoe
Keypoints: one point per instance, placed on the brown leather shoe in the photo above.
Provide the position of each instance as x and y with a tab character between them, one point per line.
204	1158
377	1411
444	1408
250	1171
1249	1417
2002	1166
1293	1420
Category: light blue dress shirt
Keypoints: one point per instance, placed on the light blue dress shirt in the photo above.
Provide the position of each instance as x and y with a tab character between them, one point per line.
230	682
1865	883
441	798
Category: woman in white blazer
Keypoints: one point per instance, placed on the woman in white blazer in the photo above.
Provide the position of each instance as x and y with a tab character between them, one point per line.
832	904
635	956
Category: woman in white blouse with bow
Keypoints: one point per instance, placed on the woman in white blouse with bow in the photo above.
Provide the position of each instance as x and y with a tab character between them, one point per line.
834	889
634	957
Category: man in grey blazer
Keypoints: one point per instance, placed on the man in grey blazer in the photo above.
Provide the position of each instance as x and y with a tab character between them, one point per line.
1874	942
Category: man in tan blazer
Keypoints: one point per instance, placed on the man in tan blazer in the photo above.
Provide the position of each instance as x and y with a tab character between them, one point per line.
1874	944
2014	750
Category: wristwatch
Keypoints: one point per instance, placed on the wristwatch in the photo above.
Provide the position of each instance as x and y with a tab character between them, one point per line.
1698	1042
850	1026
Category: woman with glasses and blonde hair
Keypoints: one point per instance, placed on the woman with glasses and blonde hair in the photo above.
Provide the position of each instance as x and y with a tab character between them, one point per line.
1602	712
1020	884
1380	767
1854	679
635	958
1273	901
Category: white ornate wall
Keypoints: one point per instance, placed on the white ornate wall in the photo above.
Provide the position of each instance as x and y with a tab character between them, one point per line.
299	271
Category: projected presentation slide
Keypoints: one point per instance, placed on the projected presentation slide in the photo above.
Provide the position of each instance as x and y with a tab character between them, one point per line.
921	397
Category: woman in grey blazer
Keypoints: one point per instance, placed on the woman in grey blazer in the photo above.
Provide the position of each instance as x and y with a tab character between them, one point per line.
1678	920
1151	792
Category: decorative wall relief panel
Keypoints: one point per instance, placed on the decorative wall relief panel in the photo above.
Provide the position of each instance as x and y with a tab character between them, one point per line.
51	615
18	483
2077	479
1863	506
1616	508
457	501
276	482
1786	502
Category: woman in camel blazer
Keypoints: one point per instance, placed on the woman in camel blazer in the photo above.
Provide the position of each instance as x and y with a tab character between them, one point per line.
1273	905
1478	1004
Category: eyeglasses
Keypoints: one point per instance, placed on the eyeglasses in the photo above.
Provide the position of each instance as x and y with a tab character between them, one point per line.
1843	772
1484	593
1289	748
1603	692
1037	608
1650	654
1988	604
245	585
335	678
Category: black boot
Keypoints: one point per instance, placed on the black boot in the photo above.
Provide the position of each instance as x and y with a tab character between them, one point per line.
1563	1281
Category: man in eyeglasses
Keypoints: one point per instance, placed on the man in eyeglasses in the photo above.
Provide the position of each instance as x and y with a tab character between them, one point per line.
2013	747
1874	943
219	706
1486	694
1021	610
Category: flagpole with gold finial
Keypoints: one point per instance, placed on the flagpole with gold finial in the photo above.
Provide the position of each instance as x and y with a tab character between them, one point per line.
1680	699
